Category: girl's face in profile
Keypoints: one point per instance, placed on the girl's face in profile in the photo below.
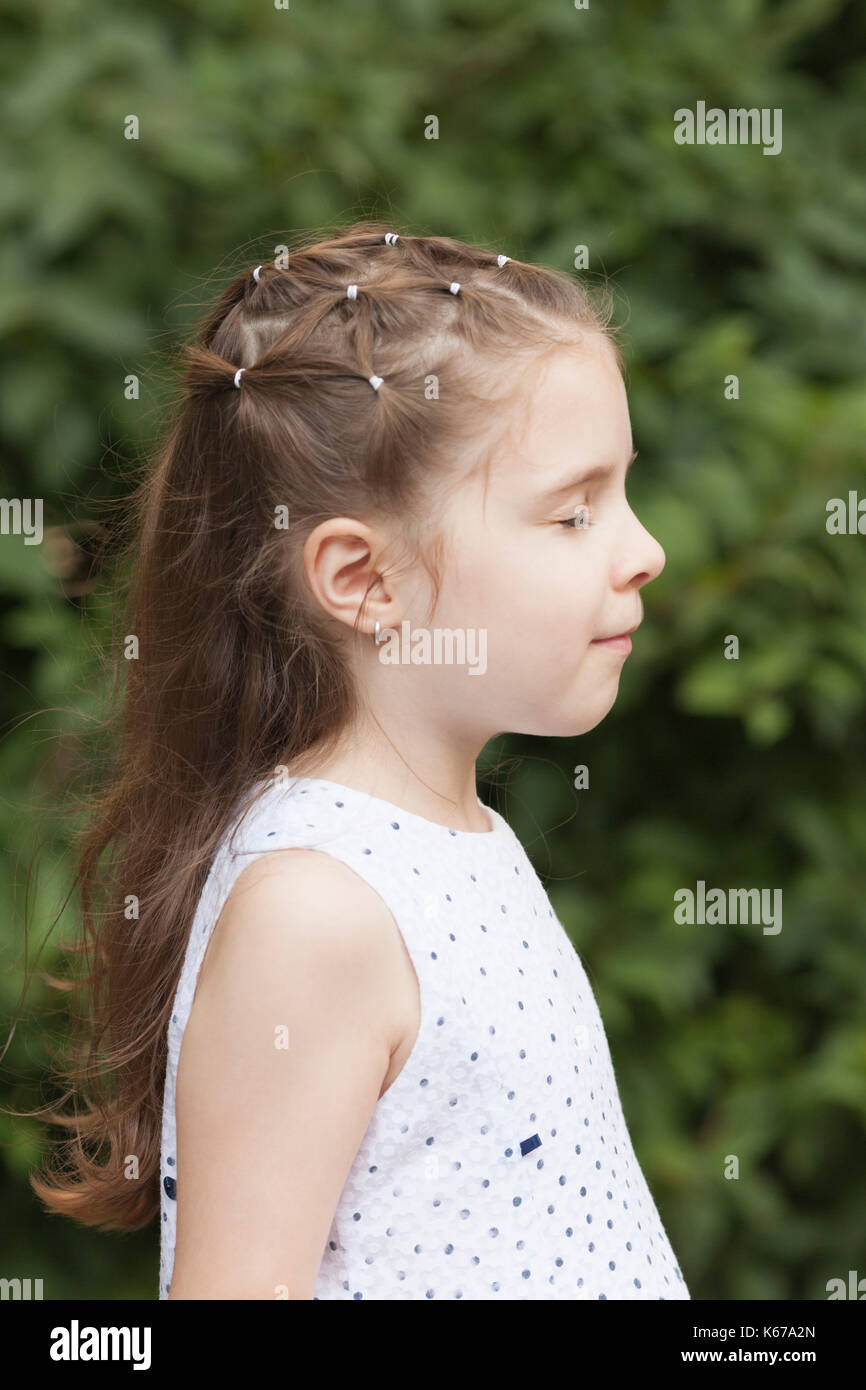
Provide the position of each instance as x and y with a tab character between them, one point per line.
551	560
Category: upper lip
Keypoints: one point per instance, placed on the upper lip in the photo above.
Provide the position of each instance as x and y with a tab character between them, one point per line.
611	635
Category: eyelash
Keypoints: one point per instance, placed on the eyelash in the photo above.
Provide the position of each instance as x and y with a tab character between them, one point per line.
571	523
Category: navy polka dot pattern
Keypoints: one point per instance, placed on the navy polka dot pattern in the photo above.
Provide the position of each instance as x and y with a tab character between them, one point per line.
498	1164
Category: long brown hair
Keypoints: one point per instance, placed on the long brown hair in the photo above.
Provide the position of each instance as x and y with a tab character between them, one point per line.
235	670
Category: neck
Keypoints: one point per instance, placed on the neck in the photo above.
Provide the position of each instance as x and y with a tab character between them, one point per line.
434	780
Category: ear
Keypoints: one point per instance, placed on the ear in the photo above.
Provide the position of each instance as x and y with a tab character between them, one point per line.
344	560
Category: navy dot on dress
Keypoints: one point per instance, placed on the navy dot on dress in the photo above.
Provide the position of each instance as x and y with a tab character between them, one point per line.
447	1197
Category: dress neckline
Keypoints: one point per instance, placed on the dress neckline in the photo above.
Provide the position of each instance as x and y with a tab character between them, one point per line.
495	835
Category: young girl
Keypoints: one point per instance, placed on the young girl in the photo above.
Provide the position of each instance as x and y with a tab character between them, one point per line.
388	523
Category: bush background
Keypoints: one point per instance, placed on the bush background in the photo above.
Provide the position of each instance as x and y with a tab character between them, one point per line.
556	129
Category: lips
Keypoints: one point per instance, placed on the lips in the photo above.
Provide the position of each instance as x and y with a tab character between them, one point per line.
614	635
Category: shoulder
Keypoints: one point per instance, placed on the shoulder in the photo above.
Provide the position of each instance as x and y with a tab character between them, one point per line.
302	922
291	887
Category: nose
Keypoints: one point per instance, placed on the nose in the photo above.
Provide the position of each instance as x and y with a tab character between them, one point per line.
658	559
644	559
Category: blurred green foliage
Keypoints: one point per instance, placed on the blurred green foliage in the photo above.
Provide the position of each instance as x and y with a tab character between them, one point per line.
556	130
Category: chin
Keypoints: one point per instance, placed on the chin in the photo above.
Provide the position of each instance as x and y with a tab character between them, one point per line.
587	720
566	715
567	725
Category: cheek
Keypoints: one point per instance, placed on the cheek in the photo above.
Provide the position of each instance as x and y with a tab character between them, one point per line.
542	594
479	578
572	586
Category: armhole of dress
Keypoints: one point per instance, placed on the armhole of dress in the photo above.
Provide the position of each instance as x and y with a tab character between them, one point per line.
405	940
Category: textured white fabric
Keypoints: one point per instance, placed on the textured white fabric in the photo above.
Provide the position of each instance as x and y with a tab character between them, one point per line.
498	1165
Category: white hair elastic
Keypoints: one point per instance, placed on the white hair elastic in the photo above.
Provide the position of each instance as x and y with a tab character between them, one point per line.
391	238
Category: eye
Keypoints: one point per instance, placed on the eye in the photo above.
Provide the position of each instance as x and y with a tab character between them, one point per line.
581	520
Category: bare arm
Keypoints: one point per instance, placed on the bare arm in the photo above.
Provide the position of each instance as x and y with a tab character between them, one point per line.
304	952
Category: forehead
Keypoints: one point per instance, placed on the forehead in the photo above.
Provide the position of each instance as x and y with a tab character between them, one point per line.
571	408
576	390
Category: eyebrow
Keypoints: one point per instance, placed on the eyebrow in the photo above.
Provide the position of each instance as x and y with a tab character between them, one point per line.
591	475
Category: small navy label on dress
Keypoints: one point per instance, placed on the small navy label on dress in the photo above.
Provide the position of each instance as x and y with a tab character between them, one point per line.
527	1145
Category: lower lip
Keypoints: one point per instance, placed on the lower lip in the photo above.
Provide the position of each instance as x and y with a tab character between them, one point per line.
615	644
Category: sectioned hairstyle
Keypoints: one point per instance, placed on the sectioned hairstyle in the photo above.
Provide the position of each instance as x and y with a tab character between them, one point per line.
238	669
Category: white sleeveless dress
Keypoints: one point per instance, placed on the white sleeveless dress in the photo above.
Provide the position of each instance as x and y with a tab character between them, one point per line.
498	1165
